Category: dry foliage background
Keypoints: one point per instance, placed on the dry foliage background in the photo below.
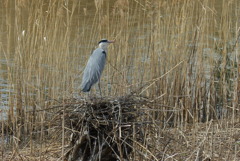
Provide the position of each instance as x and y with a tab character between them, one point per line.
179	58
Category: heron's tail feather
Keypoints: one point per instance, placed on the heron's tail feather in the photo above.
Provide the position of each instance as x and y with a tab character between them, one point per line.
86	90
86	87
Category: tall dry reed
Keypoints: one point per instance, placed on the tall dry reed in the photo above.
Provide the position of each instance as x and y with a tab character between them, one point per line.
182	55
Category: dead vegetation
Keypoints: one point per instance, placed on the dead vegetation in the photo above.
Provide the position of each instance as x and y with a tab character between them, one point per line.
171	83
102	130
123	129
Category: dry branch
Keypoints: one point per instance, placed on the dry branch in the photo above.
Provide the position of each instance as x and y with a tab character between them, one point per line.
101	129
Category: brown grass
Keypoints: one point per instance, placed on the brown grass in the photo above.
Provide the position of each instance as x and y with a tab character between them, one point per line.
182	56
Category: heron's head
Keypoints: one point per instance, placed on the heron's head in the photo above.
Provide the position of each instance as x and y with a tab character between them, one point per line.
104	43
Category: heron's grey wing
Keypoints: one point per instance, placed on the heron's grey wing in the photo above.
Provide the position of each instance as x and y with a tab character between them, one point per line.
93	69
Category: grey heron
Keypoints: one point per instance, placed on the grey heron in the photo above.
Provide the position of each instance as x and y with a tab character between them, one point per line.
95	66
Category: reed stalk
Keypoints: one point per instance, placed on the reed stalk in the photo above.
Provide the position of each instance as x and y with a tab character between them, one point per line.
182	56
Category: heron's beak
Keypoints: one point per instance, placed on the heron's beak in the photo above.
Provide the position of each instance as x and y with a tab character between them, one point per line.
111	41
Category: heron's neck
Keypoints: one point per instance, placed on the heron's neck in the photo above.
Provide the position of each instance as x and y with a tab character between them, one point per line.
103	46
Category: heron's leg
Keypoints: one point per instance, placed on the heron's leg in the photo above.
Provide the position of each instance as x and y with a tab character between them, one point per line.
99	88
89	94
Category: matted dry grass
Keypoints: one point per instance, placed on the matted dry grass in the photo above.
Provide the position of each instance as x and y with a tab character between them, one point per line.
118	128
178	61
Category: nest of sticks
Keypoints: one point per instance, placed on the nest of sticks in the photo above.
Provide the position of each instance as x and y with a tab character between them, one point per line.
102	129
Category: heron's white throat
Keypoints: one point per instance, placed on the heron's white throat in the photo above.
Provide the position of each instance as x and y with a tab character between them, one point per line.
103	45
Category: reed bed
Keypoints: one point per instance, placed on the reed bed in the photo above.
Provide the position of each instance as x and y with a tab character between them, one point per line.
179	58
